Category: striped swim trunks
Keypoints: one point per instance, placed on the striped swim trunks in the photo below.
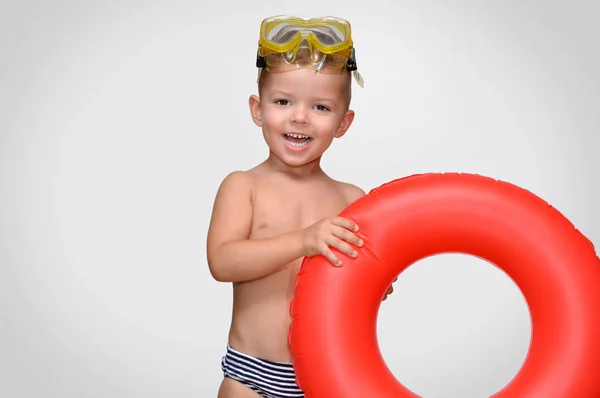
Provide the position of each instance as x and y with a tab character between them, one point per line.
267	378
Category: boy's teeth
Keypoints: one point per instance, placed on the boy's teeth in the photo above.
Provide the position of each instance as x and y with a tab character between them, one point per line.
298	143
297	140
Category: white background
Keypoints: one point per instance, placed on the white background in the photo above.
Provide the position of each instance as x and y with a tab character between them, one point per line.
118	121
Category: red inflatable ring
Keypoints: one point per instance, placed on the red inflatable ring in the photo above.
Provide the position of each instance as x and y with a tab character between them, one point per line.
333	335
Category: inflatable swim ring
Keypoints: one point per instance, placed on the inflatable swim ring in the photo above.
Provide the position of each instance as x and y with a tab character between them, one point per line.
333	335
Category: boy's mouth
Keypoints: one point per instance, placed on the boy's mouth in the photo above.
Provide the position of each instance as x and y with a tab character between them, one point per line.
297	140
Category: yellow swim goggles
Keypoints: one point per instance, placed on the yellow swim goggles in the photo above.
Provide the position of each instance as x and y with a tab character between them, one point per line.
324	44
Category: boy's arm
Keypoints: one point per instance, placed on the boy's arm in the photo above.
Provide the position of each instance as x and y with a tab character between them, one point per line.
232	257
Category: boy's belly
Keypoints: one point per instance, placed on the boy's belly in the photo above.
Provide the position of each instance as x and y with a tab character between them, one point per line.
261	317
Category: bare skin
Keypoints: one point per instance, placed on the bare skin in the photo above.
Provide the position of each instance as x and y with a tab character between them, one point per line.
267	219
261	316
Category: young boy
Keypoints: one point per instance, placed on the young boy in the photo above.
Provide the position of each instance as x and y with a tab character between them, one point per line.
266	219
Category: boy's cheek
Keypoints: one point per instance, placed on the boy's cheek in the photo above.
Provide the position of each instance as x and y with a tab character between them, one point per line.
271	125
272	120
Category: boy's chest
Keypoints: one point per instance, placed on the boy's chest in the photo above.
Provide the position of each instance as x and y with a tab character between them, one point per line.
281	210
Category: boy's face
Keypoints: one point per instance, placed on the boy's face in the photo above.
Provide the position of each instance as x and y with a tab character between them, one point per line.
301	112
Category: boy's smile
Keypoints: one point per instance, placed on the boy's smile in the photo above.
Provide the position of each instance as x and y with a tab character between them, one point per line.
296	141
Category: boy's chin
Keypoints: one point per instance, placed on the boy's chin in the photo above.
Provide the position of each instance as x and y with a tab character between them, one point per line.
296	160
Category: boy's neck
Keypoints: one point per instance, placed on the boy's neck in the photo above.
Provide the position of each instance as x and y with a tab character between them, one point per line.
308	170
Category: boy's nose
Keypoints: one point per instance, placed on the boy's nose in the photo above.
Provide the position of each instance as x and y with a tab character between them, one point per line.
299	114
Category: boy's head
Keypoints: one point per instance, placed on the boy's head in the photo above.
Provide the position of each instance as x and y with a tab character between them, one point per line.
305	85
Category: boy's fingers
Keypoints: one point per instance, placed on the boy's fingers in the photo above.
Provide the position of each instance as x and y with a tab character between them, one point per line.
348	236
345	248
328	254
342	246
344	222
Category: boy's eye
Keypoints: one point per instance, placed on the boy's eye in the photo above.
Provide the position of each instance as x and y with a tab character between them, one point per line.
282	102
322	108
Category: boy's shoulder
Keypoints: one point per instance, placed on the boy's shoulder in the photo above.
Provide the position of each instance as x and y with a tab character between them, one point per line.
238	177
350	191
238	181
243	182
243	178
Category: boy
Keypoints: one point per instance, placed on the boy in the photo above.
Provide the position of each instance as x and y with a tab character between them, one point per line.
266	219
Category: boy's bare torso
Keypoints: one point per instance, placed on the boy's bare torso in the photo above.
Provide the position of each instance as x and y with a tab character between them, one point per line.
281	203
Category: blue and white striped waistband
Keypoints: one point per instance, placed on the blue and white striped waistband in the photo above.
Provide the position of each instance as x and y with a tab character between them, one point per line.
269	379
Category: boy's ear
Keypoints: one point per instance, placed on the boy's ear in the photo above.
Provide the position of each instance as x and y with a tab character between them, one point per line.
345	123
254	102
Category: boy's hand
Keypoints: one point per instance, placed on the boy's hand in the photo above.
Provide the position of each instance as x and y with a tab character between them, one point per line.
335	232
390	290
